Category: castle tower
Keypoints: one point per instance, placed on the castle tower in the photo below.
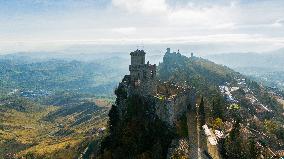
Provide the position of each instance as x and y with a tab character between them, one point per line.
138	57
137	63
168	50
142	76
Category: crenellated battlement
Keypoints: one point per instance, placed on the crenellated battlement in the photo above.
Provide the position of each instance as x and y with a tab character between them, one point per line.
142	78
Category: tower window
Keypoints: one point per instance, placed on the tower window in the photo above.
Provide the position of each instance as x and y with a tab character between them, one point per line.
152	74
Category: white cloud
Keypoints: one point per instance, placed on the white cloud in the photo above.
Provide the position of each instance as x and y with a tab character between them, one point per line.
188	14
210	17
141	6
151	21
278	23
125	30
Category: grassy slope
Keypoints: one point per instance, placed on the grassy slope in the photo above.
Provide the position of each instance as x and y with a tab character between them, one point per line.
194	67
39	131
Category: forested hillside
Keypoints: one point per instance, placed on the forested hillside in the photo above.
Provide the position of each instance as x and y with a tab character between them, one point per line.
266	67
33	130
46	77
54	108
233	104
202	74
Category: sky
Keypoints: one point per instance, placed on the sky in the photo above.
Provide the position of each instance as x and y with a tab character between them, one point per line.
204	25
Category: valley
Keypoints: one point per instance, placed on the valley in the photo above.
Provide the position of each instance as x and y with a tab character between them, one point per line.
265	67
53	108
141	79
30	129
60	108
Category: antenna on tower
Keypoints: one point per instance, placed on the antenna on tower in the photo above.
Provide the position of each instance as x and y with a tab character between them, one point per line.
141	46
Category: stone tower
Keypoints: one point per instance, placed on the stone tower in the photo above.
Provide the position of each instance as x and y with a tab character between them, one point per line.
168	50
142	76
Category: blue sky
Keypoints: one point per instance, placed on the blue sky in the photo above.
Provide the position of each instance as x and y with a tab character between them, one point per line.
251	25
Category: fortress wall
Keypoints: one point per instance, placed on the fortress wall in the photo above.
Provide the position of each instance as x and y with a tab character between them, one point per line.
192	132
164	110
180	105
170	110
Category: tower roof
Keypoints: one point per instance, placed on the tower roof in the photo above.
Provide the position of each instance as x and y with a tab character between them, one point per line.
138	53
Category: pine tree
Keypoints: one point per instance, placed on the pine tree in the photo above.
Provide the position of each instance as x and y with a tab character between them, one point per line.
113	118
234	144
235	133
217	107
254	151
201	112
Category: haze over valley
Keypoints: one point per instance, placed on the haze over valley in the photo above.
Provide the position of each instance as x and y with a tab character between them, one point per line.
141	79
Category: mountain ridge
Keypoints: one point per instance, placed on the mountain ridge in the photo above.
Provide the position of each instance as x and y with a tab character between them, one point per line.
229	99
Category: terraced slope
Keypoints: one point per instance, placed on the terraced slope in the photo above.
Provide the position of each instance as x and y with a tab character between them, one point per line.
27	128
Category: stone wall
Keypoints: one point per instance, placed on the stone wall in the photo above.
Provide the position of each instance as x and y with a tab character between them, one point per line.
192	132
165	110
169	110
